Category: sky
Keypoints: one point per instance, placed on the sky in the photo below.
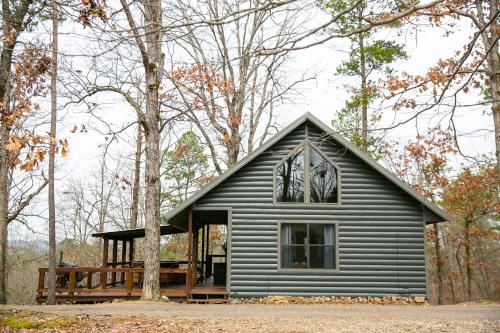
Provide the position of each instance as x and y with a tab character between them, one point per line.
322	97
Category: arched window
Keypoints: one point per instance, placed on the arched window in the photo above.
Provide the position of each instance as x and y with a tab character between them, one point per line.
306	176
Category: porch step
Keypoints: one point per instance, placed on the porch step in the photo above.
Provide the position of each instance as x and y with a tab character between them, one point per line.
207	294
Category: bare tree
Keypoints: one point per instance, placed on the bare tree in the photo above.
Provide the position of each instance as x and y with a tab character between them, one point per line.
474	66
15	17
51	296
134	209
229	89
152	61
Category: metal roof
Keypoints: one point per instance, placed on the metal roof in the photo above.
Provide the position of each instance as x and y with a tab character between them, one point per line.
207	217
175	216
136	233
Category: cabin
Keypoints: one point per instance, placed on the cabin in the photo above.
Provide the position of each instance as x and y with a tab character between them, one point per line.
307	214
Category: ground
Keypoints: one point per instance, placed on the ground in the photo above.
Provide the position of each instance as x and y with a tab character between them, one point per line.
170	317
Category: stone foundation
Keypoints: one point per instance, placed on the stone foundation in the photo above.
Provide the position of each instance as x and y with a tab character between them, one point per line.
386	300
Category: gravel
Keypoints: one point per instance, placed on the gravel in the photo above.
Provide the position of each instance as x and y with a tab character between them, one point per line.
289	318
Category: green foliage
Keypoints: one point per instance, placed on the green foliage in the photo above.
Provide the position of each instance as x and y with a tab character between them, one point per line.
486	91
347	122
185	169
378	55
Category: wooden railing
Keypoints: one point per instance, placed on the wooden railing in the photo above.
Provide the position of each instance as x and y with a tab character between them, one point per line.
113	281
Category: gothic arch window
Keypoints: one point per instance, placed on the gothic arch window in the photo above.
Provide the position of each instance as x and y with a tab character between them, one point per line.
307	176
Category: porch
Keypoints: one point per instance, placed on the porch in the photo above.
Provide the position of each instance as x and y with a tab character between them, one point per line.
197	279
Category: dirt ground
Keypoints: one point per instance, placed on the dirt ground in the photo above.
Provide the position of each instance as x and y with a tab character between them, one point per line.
170	317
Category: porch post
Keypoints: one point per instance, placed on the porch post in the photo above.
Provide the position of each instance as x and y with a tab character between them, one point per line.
203	262
208	266
102	275
114	261
196	237
131	251
124	257
190	247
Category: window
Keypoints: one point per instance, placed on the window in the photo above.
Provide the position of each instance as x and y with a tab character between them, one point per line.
322	177
307	176
290	179
308	245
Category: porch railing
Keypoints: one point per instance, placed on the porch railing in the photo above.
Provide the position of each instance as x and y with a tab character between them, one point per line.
114	281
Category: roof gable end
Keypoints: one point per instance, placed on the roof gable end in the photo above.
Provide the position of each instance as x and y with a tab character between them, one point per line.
323	127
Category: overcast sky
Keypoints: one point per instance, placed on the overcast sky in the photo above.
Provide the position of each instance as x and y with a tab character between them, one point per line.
322	97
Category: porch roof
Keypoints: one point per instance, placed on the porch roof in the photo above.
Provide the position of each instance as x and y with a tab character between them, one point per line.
178	225
137	233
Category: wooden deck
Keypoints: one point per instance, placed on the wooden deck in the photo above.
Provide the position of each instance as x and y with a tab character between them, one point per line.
208	293
98	284
94	284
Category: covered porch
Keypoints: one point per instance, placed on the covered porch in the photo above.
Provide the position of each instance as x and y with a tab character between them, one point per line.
199	278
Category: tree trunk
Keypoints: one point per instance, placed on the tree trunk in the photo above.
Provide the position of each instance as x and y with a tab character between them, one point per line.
4	203
152	28
137	179
490	42
468	260
233	150
364	89
51	280
462	275
8	23
439	265
495	95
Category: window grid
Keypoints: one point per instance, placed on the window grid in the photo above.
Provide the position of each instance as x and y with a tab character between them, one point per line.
307	245
305	148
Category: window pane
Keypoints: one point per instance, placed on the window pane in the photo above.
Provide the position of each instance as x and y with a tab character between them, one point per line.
317	233
299	258
323	178
322	256
290	179
330	257
317	252
299	233
286	256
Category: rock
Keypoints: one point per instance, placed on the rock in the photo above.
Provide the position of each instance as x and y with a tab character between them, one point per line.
419	299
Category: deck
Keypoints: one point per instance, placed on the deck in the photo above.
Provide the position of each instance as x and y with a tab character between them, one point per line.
207	292
101	284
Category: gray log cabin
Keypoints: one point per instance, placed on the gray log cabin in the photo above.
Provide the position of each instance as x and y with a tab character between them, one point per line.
307	214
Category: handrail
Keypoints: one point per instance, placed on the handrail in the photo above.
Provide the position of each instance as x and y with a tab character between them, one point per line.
111	269
72	273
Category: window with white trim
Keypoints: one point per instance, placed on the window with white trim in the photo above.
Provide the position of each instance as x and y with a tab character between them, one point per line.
306	176
308	246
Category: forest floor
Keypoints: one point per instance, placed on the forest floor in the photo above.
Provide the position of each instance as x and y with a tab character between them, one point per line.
141	316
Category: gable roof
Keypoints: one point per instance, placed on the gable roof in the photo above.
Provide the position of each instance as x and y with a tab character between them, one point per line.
353	149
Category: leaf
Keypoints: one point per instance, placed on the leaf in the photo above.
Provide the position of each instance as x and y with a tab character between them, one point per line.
40	154
64	152
15	144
